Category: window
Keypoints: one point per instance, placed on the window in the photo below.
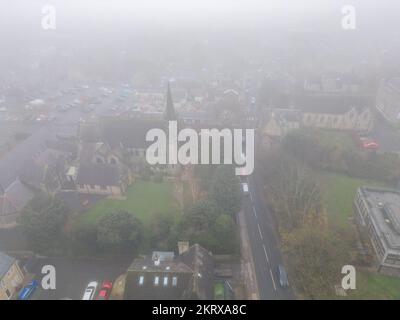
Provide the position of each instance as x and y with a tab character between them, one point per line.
174	281
165	281
156	280
141	280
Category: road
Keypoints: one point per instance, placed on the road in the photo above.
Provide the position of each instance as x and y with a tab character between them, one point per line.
264	245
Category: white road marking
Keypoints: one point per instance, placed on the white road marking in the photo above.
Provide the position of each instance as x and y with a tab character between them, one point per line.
272	277
259	231
251	197
255	212
266	254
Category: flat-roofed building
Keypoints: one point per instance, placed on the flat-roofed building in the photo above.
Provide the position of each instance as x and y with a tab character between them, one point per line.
379	211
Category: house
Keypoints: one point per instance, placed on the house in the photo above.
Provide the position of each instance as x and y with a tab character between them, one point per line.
279	122
333	83
12	200
166	276
388	99
335	112
11	277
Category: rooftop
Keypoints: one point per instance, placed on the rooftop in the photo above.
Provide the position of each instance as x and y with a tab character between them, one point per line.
5	263
385	211
164	275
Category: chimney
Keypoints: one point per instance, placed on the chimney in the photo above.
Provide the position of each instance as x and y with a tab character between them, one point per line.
183	246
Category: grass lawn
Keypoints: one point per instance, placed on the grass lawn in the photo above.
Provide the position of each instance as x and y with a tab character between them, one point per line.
144	200
331	138
375	286
338	191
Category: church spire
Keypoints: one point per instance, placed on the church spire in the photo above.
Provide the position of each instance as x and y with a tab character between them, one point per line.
170	110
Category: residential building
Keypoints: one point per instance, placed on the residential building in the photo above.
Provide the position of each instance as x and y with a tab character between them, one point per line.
166	276
335	112
379	211
11	277
333	83
279	122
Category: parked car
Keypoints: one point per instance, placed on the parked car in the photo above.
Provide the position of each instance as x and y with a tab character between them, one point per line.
365	142
369	144
283	279
28	290
245	188
90	291
105	291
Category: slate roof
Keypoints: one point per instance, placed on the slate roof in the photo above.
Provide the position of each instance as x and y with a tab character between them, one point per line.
330	104
128	133
193	271
15	197
5	264
78	202
98	174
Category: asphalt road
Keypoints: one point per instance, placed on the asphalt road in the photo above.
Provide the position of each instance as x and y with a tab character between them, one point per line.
264	245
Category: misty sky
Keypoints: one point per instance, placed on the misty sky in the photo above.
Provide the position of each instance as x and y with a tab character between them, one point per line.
20	13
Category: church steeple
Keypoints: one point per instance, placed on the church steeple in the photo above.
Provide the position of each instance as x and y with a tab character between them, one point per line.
170	110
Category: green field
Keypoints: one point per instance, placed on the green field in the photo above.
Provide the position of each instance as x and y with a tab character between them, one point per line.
375	286
144	199
338	191
335	139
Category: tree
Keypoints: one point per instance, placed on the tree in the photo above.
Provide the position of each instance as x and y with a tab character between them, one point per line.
42	222
291	189
316	256
204	224
225	190
119	232
199	219
161	228
226	234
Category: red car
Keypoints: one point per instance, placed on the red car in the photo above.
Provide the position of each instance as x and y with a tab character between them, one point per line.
105	291
369	144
